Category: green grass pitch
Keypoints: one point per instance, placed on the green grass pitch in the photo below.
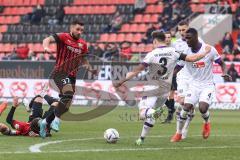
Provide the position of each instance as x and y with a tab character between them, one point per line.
84	140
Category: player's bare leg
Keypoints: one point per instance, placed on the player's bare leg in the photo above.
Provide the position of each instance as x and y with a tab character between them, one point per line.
3	106
148	115
181	121
203	108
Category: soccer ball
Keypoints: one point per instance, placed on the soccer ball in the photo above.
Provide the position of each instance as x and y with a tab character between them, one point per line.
111	135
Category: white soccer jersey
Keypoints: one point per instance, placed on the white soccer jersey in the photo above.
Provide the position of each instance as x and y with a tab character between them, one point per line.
201	71
181	46
161	62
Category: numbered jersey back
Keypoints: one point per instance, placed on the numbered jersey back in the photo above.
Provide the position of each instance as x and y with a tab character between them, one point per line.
161	62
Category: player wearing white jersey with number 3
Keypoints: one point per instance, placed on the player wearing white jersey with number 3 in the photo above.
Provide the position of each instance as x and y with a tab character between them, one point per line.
202	87
160	62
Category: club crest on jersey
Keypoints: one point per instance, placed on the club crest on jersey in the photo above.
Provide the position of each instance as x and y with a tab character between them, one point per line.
80	45
198	64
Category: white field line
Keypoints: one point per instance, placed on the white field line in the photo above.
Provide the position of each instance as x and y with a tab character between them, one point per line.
37	147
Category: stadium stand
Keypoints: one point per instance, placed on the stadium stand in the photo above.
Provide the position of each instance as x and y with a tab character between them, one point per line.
14	30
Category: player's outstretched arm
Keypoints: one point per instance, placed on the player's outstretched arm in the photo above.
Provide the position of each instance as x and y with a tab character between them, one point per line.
10	115
196	57
46	43
88	66
130	75
225	75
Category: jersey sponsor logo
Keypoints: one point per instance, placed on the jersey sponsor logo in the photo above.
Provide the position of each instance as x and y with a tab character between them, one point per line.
198	64
75	50
16	126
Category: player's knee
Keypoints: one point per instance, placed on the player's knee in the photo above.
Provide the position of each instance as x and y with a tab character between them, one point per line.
67	97
54	104
150	122
203	107
145	113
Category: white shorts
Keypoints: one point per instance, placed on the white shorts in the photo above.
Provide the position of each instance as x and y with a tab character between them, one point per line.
199	93
182	87
151	102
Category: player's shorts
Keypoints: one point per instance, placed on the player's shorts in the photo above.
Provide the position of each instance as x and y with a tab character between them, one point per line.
174	84
182	86
60	81
151	102
199	93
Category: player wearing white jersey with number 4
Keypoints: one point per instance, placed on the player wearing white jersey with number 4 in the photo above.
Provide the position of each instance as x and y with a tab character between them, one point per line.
183	77
202	87
161	62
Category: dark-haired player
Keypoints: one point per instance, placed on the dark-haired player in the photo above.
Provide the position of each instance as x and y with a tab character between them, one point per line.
202	86
71	54
161	62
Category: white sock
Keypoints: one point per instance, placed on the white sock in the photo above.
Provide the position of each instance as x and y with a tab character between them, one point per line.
188	121
44	121
148	124
181	121
57	119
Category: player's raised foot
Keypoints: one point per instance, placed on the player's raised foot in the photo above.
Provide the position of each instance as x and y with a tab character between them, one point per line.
42	126
26	103
55	125
139	142
206	130
176	138
157	113
3	106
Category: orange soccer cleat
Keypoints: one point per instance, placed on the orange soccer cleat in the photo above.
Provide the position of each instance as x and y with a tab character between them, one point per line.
206	130
3	106
176	138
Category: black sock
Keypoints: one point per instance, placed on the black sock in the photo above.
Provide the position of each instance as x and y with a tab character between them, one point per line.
60	109
49	111
49	99
171	106
50	118
167	103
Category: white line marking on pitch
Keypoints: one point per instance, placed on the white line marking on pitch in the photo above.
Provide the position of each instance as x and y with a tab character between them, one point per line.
37	147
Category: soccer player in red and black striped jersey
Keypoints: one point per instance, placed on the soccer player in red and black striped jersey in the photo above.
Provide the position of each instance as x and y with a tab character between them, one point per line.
71	54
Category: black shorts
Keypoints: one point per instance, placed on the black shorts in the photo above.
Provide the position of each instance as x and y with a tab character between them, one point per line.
61	80
174	83
36	109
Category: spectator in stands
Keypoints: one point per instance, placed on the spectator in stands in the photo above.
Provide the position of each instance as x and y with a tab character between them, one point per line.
126	51
220	7
41	57
139	6
168	10
236	49
236	22
95	51
51	57
233	72
148	38
111	52
1	9
20	53
32	56
37	15
115	23
227	43
58	16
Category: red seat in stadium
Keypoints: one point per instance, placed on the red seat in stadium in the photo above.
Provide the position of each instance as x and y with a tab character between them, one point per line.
137	37
234	7
104	37
134	47
42	2
148	48
230	56
150	9
27	2
134	28
146	18
120	37
138	18
129	37
34	2
125	28
141	48
142	27
151	1
154	18
15	19
7	47
3	28
112	37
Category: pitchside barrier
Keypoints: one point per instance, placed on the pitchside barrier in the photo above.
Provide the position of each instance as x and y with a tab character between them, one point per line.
25	79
